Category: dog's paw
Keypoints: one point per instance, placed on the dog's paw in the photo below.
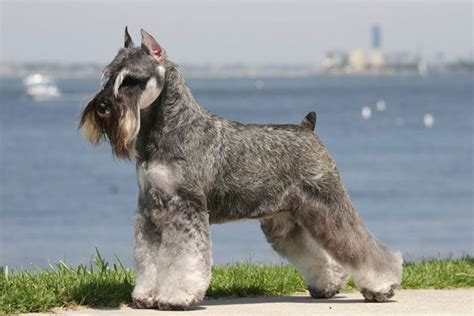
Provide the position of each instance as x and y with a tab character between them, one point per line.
381	296
144	302
323	293
175	301
329	287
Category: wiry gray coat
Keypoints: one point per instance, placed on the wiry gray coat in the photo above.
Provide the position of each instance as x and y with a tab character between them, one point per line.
195	169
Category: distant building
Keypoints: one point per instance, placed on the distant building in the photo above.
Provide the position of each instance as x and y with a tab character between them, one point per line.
334	61
357	61
376	56
376	61
376	37
402	62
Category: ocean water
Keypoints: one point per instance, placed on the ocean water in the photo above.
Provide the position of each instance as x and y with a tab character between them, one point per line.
412	184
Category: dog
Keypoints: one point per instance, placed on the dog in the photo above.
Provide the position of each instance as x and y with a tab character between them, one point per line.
195	169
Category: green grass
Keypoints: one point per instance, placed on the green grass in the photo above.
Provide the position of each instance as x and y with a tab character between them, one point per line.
101	284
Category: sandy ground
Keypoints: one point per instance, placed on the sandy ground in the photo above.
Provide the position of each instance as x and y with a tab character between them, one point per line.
405	302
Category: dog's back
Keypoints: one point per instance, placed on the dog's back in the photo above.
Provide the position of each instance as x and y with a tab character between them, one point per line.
259	163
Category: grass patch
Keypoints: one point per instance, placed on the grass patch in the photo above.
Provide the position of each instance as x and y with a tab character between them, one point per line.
439	274
252	280
104	285
63	286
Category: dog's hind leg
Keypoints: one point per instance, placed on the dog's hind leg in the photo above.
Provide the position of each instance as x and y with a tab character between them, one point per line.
324	276
337	227
172	255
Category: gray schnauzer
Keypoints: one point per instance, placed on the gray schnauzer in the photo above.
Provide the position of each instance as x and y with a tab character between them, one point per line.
195	169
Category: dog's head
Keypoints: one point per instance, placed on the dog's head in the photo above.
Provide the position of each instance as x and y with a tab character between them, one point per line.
130	83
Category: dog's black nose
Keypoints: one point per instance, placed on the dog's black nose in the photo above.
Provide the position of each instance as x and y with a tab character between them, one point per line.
102	108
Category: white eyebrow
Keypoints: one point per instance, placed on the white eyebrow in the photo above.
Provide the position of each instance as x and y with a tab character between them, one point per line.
152	91
104	78
119	79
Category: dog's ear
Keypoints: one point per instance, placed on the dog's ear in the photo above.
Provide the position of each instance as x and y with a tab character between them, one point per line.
128	42
309	121
152	46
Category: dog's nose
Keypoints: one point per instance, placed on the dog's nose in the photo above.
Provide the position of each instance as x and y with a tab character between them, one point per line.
102	108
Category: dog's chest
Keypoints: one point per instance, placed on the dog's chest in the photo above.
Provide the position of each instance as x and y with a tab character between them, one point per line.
157	176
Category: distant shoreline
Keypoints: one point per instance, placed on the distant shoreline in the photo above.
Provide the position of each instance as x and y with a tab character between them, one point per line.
237	70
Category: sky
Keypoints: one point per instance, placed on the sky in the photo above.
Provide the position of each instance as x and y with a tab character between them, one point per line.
231	31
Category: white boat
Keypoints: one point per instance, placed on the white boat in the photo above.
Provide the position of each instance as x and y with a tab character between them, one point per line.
41	87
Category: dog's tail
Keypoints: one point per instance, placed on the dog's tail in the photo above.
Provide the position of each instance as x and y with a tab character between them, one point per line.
309	121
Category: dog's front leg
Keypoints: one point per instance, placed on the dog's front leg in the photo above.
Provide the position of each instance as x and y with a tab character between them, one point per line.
172	255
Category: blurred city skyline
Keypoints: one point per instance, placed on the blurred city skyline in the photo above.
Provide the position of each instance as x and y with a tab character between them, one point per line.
233	31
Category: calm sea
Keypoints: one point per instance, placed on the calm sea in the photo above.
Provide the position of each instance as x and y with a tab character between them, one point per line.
412	184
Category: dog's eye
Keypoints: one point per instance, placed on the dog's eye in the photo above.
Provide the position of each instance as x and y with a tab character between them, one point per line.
103	110
133	81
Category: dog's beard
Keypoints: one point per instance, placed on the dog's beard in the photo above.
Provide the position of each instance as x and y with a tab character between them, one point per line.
122	138
91	130
120	133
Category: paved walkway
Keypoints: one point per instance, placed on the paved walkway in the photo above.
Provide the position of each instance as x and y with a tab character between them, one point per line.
405	302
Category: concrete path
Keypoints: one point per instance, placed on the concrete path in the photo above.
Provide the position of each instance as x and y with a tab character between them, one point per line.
405	302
